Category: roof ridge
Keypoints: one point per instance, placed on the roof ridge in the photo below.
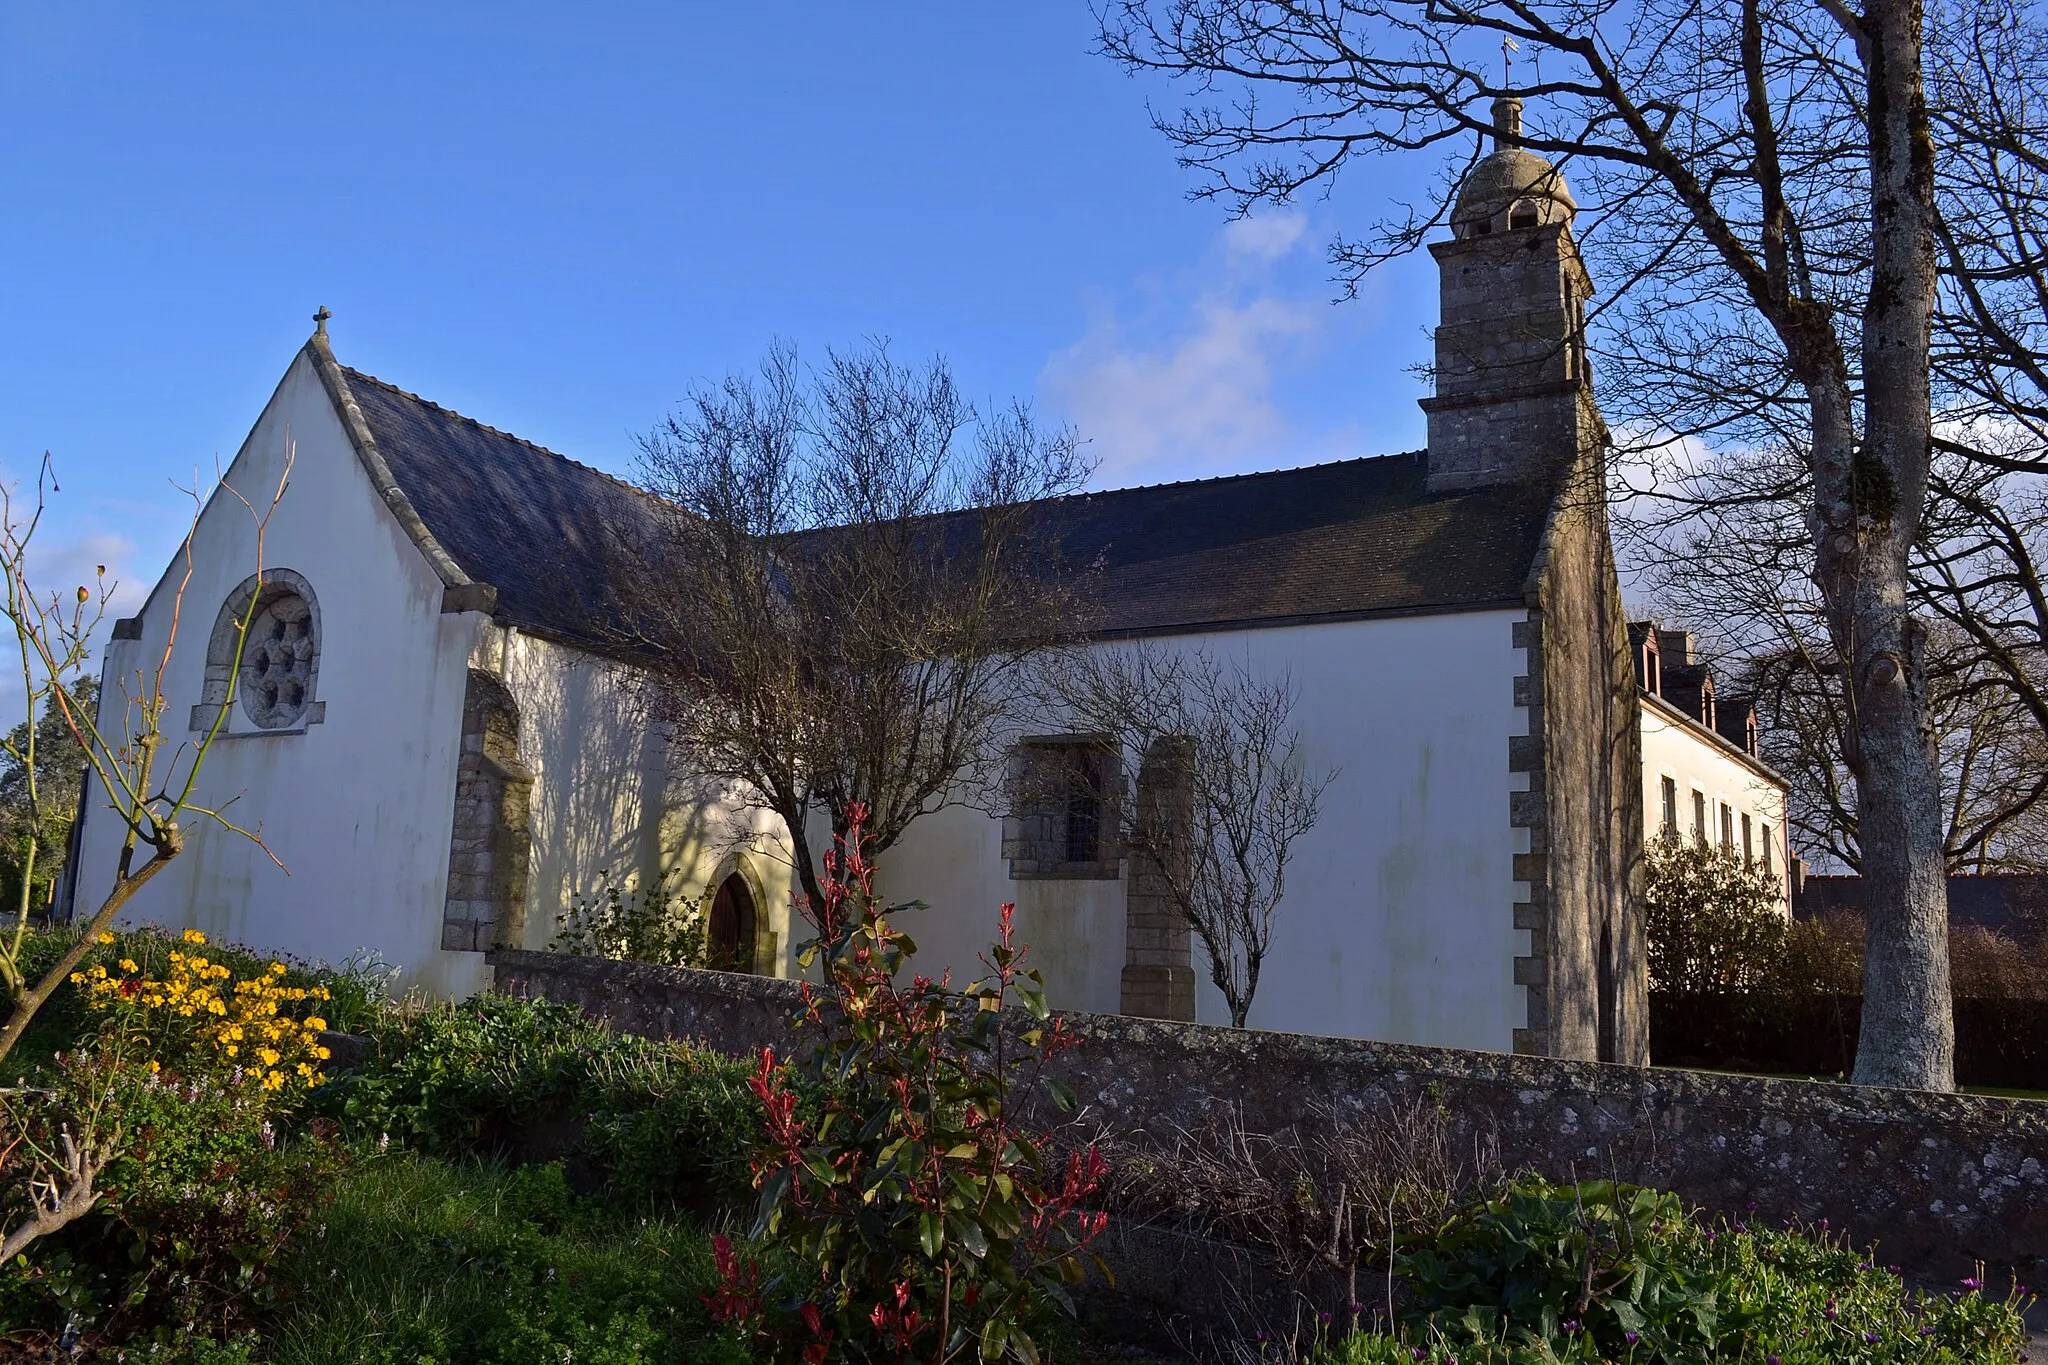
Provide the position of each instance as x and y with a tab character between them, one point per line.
631	487
500	432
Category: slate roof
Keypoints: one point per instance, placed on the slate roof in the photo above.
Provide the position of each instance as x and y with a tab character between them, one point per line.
1352	538
546	532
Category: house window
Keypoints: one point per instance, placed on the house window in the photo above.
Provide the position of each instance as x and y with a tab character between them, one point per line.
1522	215
1670	805
1699	816
1727	829
1748	845
1062	816
1769	870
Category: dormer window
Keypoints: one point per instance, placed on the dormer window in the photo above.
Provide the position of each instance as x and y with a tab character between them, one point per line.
1523	215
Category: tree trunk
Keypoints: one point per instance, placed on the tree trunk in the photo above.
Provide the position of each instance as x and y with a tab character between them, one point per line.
1908	1030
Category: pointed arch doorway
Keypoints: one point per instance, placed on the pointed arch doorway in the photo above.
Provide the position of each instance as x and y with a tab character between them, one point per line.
731	927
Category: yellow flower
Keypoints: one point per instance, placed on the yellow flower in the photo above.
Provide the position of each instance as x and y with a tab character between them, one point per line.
194	936
230	1049
322	1053
128	965
78	978
315	1024
97	972
269	1055
106	938
155	1066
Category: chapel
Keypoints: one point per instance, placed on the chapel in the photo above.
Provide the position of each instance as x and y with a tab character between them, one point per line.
443	751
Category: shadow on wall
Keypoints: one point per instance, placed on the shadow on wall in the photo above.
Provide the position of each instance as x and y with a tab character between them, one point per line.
599	780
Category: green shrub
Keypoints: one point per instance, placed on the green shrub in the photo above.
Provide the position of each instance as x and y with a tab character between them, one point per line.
916	1219
1605	1272
1713	925
659	1123
645	924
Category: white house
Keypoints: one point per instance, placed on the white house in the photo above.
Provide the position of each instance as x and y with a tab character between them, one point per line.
441	752
1703	780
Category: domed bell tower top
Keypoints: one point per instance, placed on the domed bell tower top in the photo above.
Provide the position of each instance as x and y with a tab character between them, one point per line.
1513	391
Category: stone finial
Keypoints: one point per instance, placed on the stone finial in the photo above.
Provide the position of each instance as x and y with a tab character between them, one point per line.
320	321
1507	121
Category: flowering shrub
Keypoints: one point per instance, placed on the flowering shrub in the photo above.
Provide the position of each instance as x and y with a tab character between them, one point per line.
202	1020
912	1217
187	1073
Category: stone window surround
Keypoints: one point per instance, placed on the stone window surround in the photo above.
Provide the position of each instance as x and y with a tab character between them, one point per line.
220	655
1108	865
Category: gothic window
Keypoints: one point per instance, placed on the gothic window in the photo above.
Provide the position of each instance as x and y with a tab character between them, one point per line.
1062	816
275	670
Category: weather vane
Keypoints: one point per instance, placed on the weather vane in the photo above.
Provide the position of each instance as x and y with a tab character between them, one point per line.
1508	48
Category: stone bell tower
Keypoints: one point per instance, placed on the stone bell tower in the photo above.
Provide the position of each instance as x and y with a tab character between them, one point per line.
1513	394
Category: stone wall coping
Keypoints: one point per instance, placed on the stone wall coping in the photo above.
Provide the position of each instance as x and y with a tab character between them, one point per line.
1260	1050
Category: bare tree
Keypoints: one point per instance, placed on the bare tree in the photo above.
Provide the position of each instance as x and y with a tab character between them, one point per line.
1225	789
1765	196
149	793
848	572
1724	544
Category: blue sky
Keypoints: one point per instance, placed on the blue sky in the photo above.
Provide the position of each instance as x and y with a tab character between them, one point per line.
556	218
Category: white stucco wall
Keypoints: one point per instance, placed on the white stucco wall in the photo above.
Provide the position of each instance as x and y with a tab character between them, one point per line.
357	808
1397	922
606	798
1698	760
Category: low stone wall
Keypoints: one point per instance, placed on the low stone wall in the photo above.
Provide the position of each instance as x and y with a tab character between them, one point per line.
1939	1181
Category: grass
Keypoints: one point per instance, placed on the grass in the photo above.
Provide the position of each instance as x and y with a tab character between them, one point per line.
1990	1091
426	1262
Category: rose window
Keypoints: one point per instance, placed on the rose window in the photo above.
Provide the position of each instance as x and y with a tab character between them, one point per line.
277	662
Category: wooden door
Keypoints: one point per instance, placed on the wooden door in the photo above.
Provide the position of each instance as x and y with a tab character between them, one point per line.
732	926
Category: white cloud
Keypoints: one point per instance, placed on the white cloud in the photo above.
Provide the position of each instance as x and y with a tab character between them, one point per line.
1201	402
1266	236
